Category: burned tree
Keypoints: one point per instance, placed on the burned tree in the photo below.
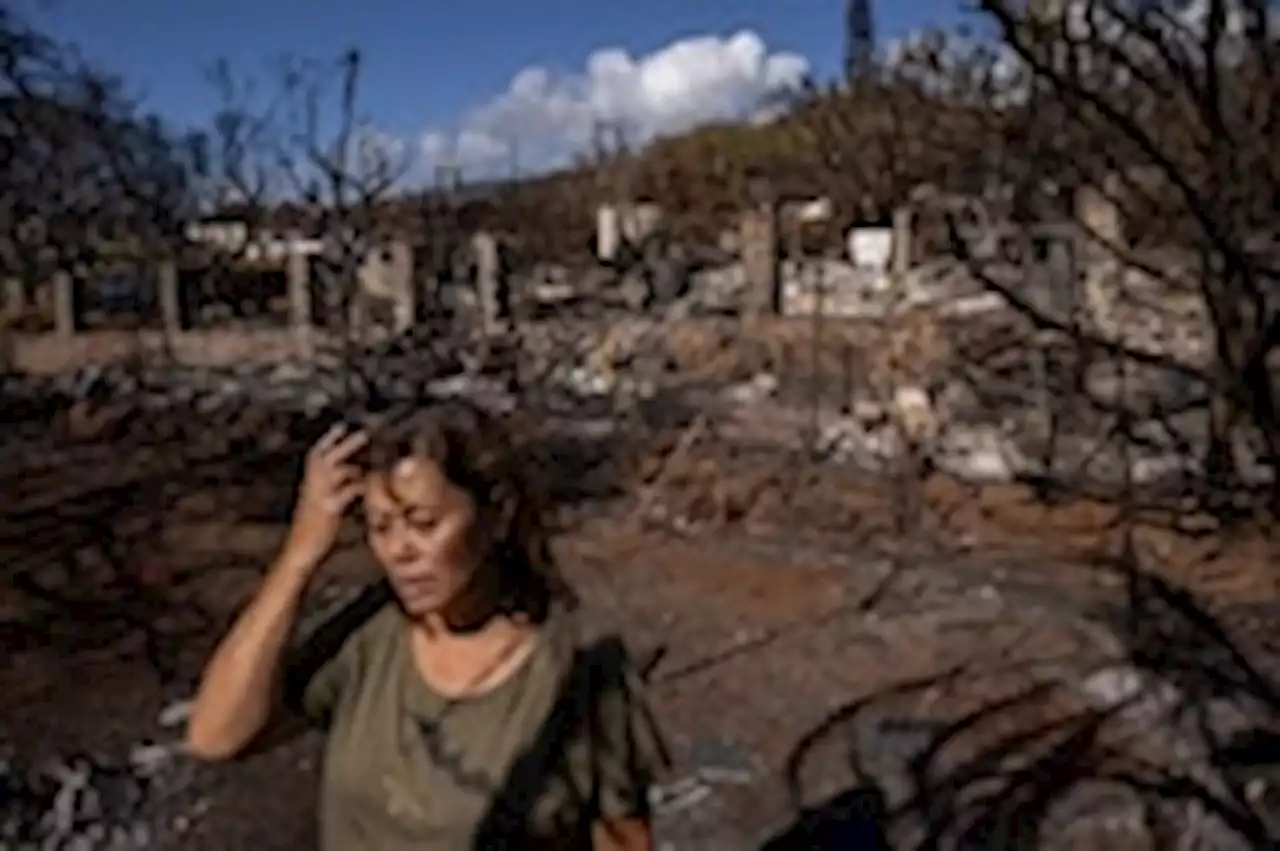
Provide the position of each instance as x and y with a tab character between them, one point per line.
1039	146
88	178
1136	138
301	168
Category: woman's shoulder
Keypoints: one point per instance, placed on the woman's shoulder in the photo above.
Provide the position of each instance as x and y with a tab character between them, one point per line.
580	626
593	636
332	647
351	617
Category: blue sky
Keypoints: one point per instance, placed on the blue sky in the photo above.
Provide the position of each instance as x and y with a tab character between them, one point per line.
427	67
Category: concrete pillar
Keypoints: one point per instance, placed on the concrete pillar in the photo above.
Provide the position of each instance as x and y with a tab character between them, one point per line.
608	232
1064	282
298	274
760	261
169	297
1102	232
1101	219
902	247
402	286
64	303
358	314
487	284
298	284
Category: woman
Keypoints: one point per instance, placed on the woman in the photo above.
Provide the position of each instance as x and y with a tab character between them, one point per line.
468	708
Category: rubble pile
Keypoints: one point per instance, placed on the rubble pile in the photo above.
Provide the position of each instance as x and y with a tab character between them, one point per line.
980	389
582	359
145	800
1155	316
398	369
977	394
839	289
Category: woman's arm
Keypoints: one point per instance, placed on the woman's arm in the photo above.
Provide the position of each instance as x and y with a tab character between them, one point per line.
241	687
240	692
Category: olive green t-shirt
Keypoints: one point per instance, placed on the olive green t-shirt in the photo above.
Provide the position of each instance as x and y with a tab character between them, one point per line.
565	741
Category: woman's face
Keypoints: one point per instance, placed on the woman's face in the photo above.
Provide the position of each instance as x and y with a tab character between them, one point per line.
420	528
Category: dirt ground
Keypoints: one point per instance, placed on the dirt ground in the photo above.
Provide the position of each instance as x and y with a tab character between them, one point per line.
763	612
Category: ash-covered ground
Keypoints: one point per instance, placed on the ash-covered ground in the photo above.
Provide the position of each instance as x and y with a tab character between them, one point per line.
980	671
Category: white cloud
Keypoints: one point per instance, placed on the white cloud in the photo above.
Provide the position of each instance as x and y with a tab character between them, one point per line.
377	153
545	116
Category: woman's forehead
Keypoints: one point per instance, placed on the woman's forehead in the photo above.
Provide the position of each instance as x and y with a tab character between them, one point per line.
412	480
409	469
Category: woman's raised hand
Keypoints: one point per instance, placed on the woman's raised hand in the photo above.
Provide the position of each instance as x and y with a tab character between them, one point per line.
330	484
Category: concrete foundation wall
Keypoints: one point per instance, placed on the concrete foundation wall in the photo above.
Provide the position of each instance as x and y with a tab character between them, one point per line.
51	353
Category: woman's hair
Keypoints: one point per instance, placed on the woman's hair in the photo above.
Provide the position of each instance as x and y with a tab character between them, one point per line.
483	455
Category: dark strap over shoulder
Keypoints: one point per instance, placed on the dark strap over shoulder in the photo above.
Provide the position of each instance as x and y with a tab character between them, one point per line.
505	824
323	635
